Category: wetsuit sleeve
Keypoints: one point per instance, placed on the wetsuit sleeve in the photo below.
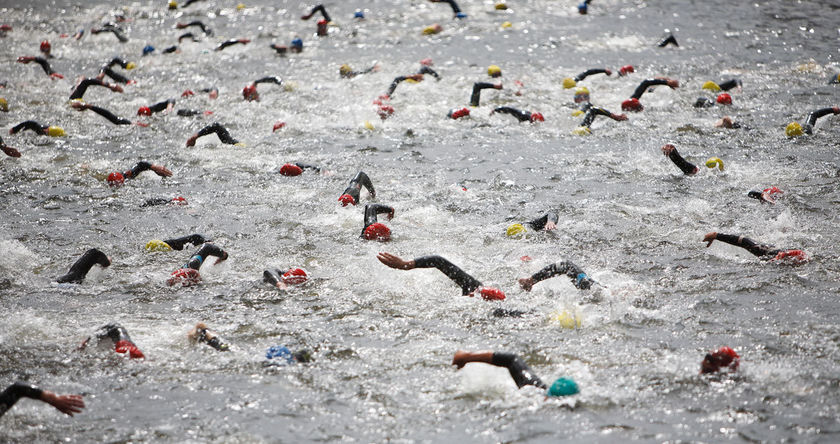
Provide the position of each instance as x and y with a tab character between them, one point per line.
29	125
454	6
575	273
109	115
305	166
206	250
322	10
593	112
45	65
117	77
221	131
80	268
83	86
394	84
476	92
114	332
814	115
519	370
589	72
645	85
271	276
423	70
14	392
467	283
117	61
363	180
748	244
539	224
522	116
155	202
139	168
270	79
684	165
178	243
160	106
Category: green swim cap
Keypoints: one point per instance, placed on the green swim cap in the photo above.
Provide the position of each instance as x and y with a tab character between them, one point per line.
563	387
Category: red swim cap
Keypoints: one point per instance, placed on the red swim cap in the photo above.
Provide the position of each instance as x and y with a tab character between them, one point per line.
795	256
458	113
124	346
45	46
632	105
378	231
724	99
427	62
294	276
144	111
491	294
277	126
291	170
116	179
537	117
385	111
624	70
178	201
184	276
346	199
250	93
187	93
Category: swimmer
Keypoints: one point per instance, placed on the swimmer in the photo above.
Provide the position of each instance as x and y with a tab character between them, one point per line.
250	91
46	48
44	64
114	29
43	130
723	358
116	178
200	334
178	243
764	252
217	128
814	115
318	8
188	274
119	337
469	285
580	279
83	85
199	24
67	404
688	168
117	77
669	39
232	42
728	123
594	111
113	118
632	104
571	82
187	35
374	230
297	168
82	266
476	91
351	194
280	355
165	105
213	92
583	7
705	102
726	85
9	151
768	195
400	79
455	9
520	372
163	201
296	46
282	279
346	72
522	116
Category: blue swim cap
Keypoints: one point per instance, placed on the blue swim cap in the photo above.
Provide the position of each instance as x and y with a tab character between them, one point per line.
297	42
563	387
359	15
460	15
148	49
281	353
582	8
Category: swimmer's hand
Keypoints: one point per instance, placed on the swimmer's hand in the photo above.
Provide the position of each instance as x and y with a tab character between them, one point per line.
11	152
709	238
161	170
391	214
667	149
67	404
192	139
460	359
395	262
673	83
619	117
550	226
526	283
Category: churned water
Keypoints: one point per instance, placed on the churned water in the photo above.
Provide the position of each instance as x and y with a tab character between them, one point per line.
383	339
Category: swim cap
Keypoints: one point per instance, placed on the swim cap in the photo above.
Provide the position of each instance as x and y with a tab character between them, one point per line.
297	43
240	6
130	65
184	276
173	4
178	201
715	162
158	245
632	105
116	179
280	353
797	256
294	276
460	15
582	8
569	83
291	170
346	199
581	94
144	111
345	69
577	113
55	131
703	102
793	129
277	126
537	117
515	229
724	99
250	93
45	46
359	15
722	357
148	49
501	6
432	29
507	25
385	111
712	86
491	294
124	346
458	113
581	131
378	231
494	71
563	387
626	69
4	105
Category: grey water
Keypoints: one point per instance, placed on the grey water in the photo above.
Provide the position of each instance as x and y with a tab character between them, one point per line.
383	339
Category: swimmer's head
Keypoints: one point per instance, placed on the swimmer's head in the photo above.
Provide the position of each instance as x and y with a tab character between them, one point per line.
724	99
500	6
626	69
515	230
569	83
458	113
144	111
581	94
116	179
294	276
345	70
494	71
491	294
711	86
793	129
297	43
359	15
124	346
720	358
250	93
432	29
794	256
279	353
563	387
158	245
56	131
632	105
346	199
291	170
377	231
537	117
714	162
184	276
173	4
45	47
4	105
130	65
581	131
178	201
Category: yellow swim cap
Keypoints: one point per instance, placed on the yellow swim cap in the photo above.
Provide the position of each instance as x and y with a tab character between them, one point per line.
130	65
566	319
793	129
433	29
345	69
4	105
494	71
240	6
569	83
173	4
581	131
368	125
507	25
710	85
577	113
501	6
713	162
410	80
581	90
515	230
239	144
55	131
157	245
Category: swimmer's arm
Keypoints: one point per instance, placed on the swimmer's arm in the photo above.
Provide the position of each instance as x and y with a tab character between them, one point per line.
467	283
590	72
463	358
522	116
364	180
108	115
687	167
305	166
273	278
547	221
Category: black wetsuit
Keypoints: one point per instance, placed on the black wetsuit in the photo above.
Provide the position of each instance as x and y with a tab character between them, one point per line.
80	90
539	223
371	211
522	116
14	392
668	40
394	84
188	112
591	113
356	183
139	168
215	342
761	250
519	370
427	70
156	201
30	125
44	64
187	35
455	8
273	277
575	273
814	115
351	74
179	242
220	131
199	256
80	268
322	10
109	115
467	283
637	94
160	106
204	28
687	167
173	48
729	84
113	29
590	72
114	332
227	43
117	77
476	91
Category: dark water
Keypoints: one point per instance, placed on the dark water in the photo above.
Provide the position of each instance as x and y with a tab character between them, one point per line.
383	339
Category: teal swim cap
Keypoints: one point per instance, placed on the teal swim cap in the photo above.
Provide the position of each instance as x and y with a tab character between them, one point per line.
563	387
